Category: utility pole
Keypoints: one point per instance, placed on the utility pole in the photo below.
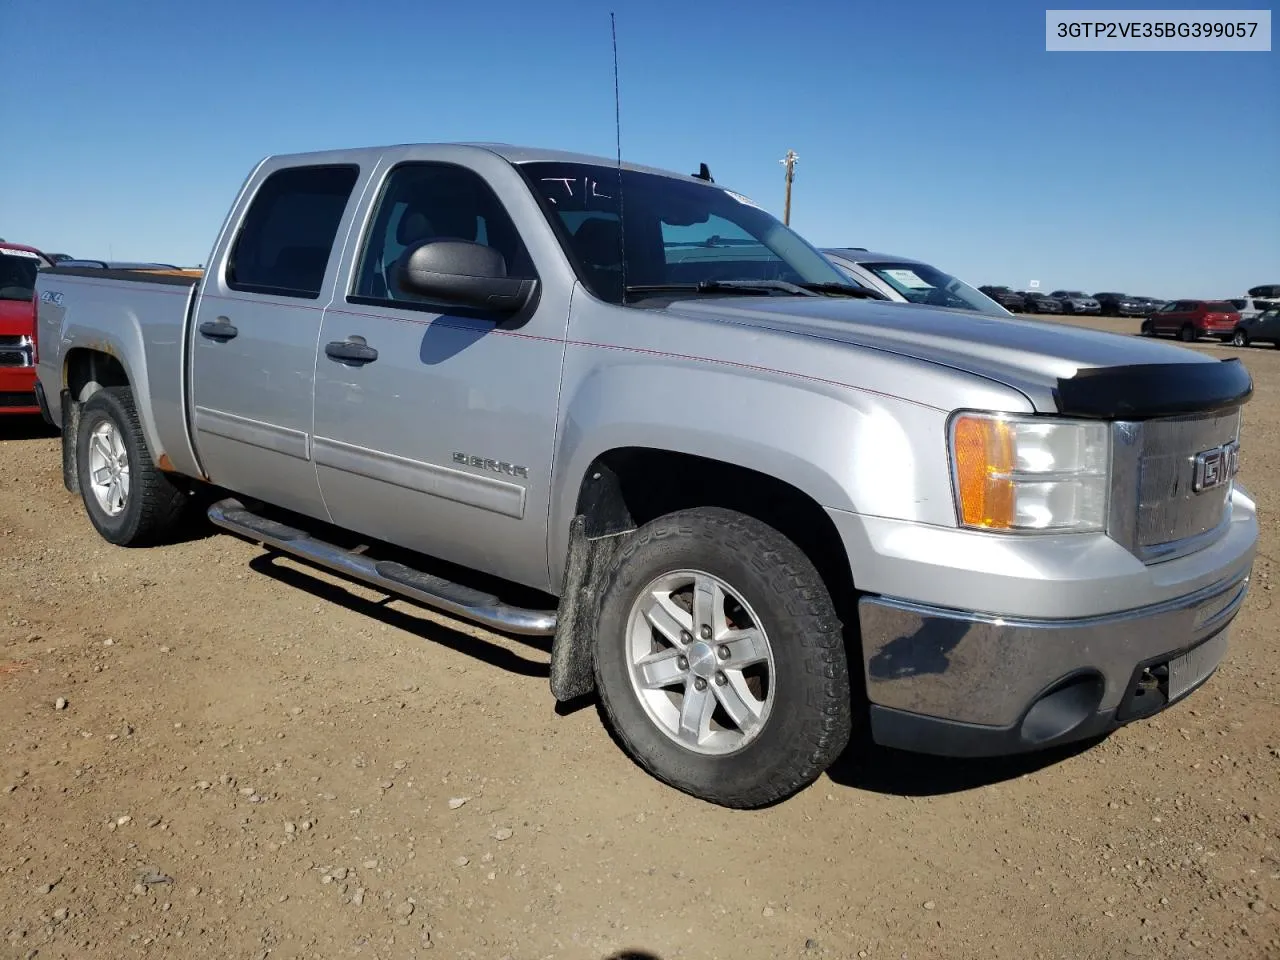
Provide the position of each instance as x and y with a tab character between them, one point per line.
789	161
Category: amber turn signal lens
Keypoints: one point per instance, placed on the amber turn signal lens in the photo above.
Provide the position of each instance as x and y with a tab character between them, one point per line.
984	458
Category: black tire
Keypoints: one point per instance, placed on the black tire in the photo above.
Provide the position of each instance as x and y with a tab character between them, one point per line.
154	507
1147	329
1186	333
810	721
1240	338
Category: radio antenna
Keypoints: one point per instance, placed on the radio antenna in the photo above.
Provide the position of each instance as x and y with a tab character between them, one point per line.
617	127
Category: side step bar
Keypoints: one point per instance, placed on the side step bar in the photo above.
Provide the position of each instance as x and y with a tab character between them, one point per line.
444	595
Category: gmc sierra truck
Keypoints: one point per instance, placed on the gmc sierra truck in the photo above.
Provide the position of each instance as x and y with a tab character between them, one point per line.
757	510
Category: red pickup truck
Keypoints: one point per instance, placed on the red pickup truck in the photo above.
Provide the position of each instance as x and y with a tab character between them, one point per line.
18	267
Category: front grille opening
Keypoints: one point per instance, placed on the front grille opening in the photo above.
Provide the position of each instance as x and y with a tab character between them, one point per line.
14	400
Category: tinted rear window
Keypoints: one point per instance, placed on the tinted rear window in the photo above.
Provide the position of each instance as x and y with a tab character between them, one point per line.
1219	306
1238	304
287	235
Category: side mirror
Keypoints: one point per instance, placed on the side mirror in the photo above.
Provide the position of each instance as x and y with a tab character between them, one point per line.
458	271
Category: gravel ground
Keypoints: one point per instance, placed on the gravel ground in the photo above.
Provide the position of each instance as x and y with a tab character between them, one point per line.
204	753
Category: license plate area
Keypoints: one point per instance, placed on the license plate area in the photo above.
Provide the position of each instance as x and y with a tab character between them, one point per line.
1157	684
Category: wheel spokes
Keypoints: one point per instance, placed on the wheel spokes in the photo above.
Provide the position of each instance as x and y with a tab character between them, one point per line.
662	669
695	712
665	616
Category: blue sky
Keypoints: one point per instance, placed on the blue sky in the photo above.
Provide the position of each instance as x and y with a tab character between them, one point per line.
939	130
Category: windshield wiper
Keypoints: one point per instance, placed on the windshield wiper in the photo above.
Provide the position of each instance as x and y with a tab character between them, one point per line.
848	289
724	286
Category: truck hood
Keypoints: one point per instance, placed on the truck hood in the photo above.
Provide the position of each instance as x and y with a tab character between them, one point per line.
17	317
1028	355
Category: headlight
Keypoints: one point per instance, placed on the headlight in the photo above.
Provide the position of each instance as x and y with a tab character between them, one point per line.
1028	474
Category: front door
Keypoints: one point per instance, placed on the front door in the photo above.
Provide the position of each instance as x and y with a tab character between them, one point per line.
435	425
254	338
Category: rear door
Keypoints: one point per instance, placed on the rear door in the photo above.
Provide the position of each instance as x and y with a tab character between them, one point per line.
253	350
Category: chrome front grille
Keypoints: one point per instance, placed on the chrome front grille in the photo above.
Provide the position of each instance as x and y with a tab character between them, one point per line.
15	351
1155	509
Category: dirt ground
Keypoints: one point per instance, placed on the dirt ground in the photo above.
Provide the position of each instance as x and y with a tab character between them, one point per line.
204	753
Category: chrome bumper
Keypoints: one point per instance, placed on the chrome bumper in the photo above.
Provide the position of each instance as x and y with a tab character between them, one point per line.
993	680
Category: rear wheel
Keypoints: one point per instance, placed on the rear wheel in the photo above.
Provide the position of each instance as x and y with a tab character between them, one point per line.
720	660
1240	338
1186	333
129	500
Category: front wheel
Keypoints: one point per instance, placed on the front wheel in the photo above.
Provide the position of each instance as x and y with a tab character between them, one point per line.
1186	333
720	660
1240	339
130	501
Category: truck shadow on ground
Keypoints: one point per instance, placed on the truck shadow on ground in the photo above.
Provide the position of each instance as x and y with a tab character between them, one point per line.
381	611
25	428
867	766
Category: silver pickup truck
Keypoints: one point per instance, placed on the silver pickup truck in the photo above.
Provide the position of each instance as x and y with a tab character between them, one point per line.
758	511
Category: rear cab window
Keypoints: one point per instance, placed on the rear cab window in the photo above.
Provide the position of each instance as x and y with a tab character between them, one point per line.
286	238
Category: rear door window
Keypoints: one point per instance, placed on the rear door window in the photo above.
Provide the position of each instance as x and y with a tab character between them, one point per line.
285	240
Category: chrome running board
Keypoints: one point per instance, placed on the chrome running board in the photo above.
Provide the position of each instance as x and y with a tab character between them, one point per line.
457	600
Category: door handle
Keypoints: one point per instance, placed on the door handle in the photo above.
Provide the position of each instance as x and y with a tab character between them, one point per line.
350	352
220	329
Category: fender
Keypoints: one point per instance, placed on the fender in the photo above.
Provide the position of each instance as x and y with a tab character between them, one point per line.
834	444
124	345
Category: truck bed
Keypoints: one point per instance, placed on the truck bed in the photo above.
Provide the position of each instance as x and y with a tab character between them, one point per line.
181	278
129	315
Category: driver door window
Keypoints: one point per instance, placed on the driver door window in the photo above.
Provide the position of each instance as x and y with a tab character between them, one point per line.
432	201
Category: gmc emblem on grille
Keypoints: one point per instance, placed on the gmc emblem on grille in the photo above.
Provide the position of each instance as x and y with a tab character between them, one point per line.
1215	467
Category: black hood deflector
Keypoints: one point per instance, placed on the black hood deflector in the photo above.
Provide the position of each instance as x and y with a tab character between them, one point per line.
1149	390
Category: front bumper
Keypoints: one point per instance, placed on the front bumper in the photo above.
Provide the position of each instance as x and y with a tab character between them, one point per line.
980	644
932	673
18	391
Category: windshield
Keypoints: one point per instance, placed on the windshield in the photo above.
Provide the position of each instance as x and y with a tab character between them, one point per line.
676	232
18	274
921	283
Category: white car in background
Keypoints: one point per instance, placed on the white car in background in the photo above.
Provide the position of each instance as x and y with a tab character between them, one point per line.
910	281
1250	307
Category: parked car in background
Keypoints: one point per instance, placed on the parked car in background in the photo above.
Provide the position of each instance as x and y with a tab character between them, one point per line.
910	281
19	265
1192	319
1011	300
1250	307
448	348
1267	291
58	257
1150	304
1037	302
1076	301
1120	305
1263	327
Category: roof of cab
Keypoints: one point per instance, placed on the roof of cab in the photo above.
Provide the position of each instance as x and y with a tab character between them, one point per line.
511	152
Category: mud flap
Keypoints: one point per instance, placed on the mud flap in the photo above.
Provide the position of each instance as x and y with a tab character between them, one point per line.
573	649
70	436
